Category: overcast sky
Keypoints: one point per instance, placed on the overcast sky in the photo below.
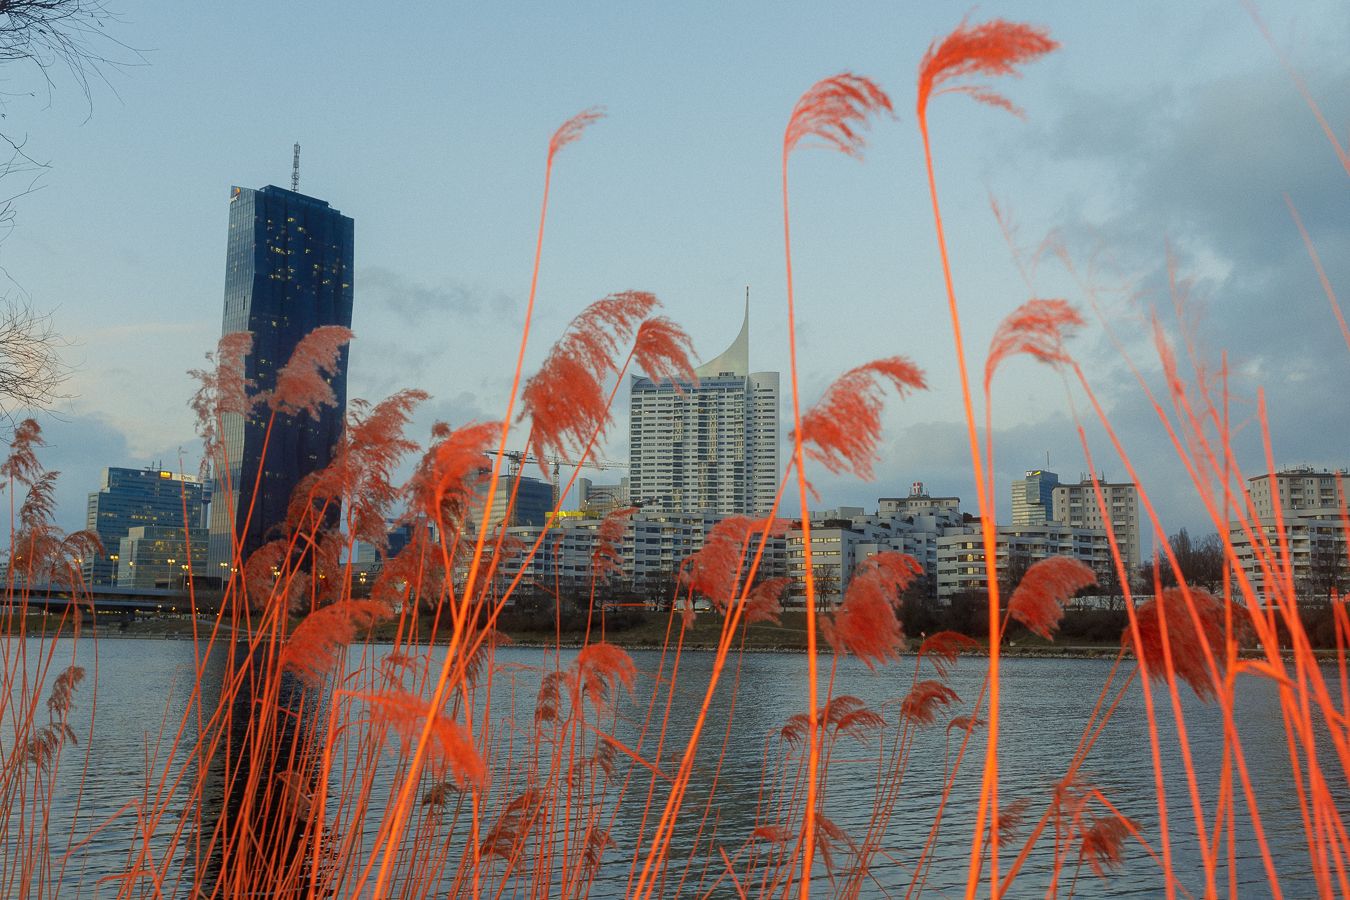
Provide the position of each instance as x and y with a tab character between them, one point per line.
1156	126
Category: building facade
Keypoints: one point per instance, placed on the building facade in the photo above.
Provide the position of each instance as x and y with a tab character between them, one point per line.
845	536
599	500
1298	489
1076	505
160	556
527	500
707	447
1033	497
651	551
132	498
1299	537
288	270
960	556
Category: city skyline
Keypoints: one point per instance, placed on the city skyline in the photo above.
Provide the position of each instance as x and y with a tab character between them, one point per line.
1189	142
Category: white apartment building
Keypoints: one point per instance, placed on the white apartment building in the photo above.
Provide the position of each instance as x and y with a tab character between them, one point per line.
1312	527
710	447
653	547
1299	488
960	556
845	536
1075	505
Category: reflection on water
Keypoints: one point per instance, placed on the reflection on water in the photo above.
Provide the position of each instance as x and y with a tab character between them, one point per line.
143	688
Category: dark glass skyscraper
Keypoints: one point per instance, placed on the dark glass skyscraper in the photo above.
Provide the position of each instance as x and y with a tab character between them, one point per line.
288	270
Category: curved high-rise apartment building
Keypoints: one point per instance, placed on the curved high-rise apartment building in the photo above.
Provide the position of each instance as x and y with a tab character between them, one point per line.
710	446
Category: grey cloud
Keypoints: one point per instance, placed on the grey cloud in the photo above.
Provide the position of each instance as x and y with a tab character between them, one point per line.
414	302
1205	174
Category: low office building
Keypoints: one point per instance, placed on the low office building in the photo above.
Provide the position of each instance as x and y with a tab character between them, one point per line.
132	498
160	556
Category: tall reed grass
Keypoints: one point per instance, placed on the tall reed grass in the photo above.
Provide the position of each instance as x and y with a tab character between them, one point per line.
310	761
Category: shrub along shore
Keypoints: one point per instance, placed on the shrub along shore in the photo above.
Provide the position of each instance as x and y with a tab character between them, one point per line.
637	630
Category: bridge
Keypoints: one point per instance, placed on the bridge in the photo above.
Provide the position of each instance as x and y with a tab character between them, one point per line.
99	599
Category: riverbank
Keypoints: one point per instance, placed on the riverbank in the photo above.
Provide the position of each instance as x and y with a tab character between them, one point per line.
702	635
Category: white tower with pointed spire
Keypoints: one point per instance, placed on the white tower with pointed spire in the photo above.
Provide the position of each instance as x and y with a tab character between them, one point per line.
710	446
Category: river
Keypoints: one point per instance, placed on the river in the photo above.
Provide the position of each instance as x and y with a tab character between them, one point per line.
1045	701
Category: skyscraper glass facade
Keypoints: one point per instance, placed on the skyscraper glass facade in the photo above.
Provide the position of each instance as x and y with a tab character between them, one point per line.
1033	497
288	270
132	498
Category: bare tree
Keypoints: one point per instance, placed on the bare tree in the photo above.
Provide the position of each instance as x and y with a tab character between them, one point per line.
67	34
827	585
1328	573
31	369
1202	562
48	34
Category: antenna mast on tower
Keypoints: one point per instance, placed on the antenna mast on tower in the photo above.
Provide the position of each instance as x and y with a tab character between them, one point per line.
295	168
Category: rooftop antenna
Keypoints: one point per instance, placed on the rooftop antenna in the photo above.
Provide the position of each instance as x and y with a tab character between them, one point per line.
295	168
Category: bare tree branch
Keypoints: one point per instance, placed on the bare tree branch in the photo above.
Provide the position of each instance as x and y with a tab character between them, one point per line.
31	369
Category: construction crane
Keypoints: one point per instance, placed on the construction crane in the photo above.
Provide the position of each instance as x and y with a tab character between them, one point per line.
515	458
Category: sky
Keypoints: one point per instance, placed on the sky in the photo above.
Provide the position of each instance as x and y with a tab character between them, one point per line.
1158	146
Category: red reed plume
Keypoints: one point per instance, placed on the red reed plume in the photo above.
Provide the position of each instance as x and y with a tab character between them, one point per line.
62	697
22	463
846	714
764	603
362	470
1037	328
316	646
943	647
39	505
844	427
991	49
606	559
715	568
565	400
262	569
1102	842
571	130
662	350
1038	601
1011	818
834	110
302	384
448	477
601	668
921	704
407	714
865	624
224	389
965	723
1188	656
